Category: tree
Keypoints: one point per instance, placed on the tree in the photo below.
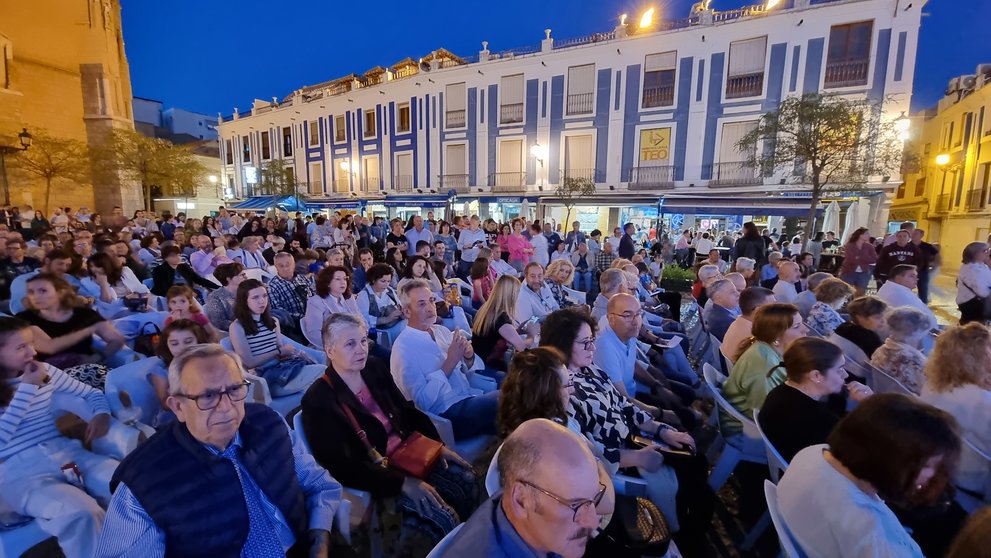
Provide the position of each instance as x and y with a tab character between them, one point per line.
570	190
831	142
276	178
129	155
52	158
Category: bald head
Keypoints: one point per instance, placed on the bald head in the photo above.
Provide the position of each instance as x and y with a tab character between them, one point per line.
540	450
738	280
625	316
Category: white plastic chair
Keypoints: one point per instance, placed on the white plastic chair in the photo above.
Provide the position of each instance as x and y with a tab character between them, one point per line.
472	448
850	350
132	378
743	447
882	382
789	546
579	297
286	403
775	463
438	550
972	487
462	284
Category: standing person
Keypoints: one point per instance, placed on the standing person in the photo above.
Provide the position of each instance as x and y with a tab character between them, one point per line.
627	246
519	247
902	251
552	237
929	260
858	257
39	225
751	245
814	247
973	283
416	233
445	235
469	241
541	250
397	237
574	237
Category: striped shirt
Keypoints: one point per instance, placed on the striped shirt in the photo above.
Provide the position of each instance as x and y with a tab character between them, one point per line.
263	342
28	419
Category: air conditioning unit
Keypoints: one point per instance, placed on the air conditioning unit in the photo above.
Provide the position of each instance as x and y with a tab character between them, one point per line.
984	73
953	86
968	82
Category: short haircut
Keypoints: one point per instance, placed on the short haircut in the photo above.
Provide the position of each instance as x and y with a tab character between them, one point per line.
708	272
718	286
170	250
378	271
518	459
906	322
421	244
899	270
283	256
971	251
408	286
560	328
753	297
611	279
775	256
832	290
866	306
532	264
338	321
225	272
816	278
203	350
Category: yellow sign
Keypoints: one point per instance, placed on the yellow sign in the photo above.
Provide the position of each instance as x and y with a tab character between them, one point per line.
655	144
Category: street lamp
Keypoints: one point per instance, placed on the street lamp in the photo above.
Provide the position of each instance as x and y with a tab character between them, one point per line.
539	152
25	138
943	159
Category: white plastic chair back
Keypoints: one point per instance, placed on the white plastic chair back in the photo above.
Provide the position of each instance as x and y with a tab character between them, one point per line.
343	517
882	382
973	476
715	381
133	379
461	283
775	463
578	297
850	350
789	546
438	550
493	483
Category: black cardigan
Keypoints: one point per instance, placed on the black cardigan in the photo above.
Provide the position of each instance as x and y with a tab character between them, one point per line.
335	443
163	277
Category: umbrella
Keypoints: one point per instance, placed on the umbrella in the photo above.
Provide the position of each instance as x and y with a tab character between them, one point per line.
775	223
856	217
831	220
524	208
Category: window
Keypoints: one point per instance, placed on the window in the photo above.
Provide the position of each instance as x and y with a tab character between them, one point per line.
228	152
455	104
511	99
6	54
287	142
849	55
730	168
403	181
947	135
314	133
900	193
581	89
455	174
746	68
316	178
510	175
370	177
578	159
402	117
920	187
245	149
958	139
369	131
658	79
266	147
340	128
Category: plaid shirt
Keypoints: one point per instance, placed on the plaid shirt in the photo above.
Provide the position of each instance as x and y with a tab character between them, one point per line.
291	294
603	260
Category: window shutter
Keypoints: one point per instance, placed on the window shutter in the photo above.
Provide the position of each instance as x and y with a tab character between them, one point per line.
511	156
511	90
455	98
581	79
662	61
733	132
455	159
747	57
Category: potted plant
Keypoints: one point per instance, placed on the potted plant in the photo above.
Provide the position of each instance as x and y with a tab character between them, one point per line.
674	278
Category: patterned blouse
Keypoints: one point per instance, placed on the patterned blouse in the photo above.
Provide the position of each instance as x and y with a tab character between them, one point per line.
824	319
901	362
559	295
605	415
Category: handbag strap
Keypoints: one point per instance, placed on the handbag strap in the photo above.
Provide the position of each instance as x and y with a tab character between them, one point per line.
362	435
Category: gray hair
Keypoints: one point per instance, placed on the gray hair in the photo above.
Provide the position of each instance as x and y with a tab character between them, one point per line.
775	255
906	322
203	350
283	256
518	458
718	286
611	279
746	264
334	323
408	286
708	272
334	252
816	278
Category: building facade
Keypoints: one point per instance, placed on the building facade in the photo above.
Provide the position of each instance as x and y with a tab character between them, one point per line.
63	70
651	115
949	194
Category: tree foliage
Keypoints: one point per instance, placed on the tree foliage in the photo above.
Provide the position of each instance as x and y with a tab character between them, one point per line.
53	158
828	142
277	178
129	155
570	190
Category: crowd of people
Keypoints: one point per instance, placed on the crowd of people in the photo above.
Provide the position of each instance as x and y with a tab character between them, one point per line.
558	349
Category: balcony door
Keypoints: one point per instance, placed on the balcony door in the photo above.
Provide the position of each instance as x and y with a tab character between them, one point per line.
510	174
578	159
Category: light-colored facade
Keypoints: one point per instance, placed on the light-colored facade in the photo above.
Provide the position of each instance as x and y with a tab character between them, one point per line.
644	113
950	196
183	122
63	70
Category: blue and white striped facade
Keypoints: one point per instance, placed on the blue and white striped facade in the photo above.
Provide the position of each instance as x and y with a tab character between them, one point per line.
602	141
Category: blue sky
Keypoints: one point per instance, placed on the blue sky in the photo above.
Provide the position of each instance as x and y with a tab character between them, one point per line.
210	56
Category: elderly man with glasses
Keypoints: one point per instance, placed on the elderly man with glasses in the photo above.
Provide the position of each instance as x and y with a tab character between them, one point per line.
228	478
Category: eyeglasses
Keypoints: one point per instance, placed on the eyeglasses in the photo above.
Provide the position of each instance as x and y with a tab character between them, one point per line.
576	506
209	400
587	344
628	315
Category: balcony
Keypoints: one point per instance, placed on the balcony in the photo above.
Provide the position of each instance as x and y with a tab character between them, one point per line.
735	173
456	182
402	183
511	114
652	178
315	187
370	184
745	85
455	118
594	175
580	103
658	97
342	185
977	200
846	73
943	203
508	181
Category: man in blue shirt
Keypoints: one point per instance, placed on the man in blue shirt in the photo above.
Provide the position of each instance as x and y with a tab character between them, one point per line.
225	479
724	309
547	507
417	233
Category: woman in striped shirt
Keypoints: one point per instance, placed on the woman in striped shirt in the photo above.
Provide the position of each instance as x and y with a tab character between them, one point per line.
42	473
257	339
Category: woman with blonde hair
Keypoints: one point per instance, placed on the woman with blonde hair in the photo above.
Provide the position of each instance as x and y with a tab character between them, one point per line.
560	273
495	329
958	380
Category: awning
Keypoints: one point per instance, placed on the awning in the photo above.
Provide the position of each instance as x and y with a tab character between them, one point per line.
415	201
261	203
336	204
496	198
689	205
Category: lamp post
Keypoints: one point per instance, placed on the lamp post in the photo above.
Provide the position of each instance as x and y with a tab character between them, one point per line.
25	138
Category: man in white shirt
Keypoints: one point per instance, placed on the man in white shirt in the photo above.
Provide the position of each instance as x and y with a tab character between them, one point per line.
497	264
617	235
203	260
536	298
897	290
750	300
432	366
704	244
59	221
784	290
470	241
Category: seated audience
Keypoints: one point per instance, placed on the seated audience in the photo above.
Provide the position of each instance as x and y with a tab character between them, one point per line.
536	299
901	354
219	305
831	295
183	306
257	339
865	327
560	274
583	261
247	481
56	262
706	274
891	450
756	370
750	300
418	267
785	288
66	503
432	366
725	307
807	298
366	258
173	272
897	291
177	336
204	260
289	289
795	414
16	263
746	267
481	282
378	301
356	415
332	295
495	332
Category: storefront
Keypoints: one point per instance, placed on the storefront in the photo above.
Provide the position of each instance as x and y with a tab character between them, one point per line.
500	208
405	207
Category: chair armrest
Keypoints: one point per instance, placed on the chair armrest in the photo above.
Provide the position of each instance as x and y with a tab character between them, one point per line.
258	391
342	519
121	439
444	428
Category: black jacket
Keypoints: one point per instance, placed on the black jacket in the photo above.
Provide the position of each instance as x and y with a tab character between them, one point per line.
753	248
163	277
335	443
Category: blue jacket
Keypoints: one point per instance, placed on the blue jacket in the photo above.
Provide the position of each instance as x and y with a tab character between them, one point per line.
489	533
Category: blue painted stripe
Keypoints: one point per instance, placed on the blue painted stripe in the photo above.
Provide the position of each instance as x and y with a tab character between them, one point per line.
481	106
530	128
601	123
630	120
681	117
813	65
493	135
713	113
556	127
698	88
619	79
543	99
900	55
881	66
473	94
795	55
776	76
426	138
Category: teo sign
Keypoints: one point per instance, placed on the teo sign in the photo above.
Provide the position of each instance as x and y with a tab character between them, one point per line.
655	144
